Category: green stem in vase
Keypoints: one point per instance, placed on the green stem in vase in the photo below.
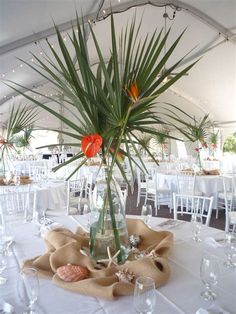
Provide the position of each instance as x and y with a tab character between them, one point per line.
114	226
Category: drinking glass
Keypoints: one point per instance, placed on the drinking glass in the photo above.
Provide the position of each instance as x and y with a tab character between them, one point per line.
28	289
6	239
3	266
146	213
144	295
230	250
86	212
209	273
196	222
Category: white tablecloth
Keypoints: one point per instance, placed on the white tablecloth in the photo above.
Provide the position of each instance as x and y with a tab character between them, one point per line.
208	185
50	195
180	295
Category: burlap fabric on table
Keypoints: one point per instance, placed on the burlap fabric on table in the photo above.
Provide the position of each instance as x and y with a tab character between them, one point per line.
64	248
214	172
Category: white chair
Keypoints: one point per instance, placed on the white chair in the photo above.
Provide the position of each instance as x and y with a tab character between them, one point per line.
227	200
38	173
186	183
75	189
88	185
18	203
189	204
160	195
142	185
124	194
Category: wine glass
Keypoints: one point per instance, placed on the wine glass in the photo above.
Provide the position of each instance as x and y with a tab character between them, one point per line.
6	239
144	295
230	250
196	222
3	266
86	211
146	213
28	289
209	273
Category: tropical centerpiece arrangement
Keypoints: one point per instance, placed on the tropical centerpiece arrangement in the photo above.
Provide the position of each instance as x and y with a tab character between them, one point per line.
110	105
213	139
161	140
16	134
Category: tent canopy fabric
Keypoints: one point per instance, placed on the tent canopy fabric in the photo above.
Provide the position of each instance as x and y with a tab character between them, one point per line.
210	35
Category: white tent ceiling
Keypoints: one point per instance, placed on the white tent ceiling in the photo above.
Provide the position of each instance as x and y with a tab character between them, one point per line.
211	29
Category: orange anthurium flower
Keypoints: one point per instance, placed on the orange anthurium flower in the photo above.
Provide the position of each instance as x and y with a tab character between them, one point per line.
91	144
133	92
119	153
2	142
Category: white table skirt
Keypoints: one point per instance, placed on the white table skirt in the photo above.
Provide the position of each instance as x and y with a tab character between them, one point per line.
181	294
209	185
50	195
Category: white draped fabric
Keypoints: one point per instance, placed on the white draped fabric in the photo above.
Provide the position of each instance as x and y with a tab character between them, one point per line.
209	185
180	295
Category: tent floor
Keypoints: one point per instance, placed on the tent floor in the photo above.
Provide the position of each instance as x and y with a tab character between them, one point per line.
131	209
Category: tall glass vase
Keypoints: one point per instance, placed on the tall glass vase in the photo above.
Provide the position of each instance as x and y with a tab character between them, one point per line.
108	231
198	161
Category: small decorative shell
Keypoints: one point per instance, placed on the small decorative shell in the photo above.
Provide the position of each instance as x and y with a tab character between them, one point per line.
125	276
134	240
71	273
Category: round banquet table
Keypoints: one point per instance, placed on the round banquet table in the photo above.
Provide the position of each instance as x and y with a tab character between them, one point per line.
181	294
209	185
50	195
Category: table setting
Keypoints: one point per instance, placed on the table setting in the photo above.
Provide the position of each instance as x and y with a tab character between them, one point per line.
181	270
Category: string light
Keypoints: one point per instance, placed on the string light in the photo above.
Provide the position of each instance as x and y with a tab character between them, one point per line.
98	18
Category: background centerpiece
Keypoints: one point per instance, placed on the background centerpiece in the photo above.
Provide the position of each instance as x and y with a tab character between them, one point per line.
110	107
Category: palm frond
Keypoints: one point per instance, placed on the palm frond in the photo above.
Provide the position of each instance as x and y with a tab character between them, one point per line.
101	99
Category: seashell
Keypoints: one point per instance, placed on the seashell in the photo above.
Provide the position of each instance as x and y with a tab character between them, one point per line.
134	240
71	273
125	276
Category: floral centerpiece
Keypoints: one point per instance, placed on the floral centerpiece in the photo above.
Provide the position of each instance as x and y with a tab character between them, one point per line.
105	108
213	139
16	133
161	139
194	129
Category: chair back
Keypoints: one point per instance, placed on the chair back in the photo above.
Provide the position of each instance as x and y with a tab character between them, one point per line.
75	189
186	183
18	203
189	204
229	184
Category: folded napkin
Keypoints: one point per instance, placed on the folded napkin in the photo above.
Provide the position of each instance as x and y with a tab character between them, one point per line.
64	247
212	242
6	307
214	172
48	227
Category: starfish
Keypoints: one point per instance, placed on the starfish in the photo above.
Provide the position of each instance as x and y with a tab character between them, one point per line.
152	254
111	259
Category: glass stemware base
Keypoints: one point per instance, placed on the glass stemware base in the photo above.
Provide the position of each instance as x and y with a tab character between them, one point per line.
208	295
3	280
196	238
230	264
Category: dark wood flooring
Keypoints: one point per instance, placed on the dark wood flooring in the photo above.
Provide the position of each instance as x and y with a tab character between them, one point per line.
131	209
